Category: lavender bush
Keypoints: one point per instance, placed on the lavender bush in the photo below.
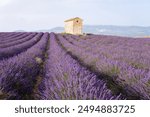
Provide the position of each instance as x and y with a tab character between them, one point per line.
65	78
16	41
16	49
13	39
18	74
7	36
34	66
113	56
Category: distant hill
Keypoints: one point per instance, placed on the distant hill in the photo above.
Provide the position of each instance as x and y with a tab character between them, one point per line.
118	30
130	31
19	31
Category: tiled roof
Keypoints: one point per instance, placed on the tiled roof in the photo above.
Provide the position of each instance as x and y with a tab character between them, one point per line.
72	19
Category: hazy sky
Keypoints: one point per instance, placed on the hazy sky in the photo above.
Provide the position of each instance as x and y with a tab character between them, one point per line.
32	15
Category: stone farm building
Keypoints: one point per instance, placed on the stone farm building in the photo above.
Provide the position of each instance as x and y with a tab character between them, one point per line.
74	26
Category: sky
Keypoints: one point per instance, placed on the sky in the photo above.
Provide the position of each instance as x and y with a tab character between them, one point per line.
32	15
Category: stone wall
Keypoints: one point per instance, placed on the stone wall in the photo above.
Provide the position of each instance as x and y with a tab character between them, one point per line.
77	28
69	27
74	26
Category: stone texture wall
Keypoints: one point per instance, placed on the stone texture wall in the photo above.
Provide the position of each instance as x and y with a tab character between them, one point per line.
77	28
69	27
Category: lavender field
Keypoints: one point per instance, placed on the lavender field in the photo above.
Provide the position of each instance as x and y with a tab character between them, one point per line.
49	66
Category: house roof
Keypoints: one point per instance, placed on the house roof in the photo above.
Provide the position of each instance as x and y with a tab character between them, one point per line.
73	19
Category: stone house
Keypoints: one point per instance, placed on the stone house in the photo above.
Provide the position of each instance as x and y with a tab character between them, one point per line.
74	26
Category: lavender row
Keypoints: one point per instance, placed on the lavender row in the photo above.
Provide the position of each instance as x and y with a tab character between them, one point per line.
14	50
18	74
101	52
4	34
67	79
133	51
10	40
8	36
20	40
134	81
